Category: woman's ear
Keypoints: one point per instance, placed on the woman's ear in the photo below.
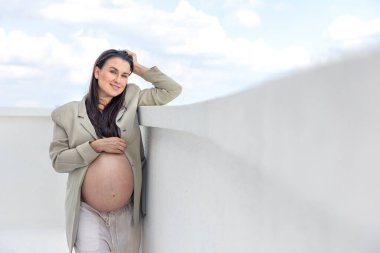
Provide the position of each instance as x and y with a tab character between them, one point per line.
96	72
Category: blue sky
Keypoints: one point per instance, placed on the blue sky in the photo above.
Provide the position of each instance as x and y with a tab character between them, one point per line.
213	48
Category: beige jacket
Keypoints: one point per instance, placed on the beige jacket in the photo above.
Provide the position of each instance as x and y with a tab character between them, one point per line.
71	152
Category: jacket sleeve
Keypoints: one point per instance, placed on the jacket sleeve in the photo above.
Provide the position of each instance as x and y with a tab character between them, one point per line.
63	157
165	89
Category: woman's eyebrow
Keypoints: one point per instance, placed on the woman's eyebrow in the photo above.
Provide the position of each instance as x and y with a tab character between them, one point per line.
118	70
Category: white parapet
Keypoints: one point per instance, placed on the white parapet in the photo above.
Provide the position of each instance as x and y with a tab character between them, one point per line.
289	166
32	193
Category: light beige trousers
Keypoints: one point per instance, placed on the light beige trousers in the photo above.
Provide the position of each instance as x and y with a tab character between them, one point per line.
103	232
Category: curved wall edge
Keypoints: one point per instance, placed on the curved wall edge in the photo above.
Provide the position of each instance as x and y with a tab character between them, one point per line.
311	138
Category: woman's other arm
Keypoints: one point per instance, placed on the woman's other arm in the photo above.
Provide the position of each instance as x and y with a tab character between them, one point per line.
165	89
65	158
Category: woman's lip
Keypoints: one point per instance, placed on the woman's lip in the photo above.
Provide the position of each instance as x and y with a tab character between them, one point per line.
116	87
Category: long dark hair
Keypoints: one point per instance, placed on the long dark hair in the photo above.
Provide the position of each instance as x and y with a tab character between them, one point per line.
104	121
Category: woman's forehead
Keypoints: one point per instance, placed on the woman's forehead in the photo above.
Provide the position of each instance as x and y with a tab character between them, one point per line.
119	64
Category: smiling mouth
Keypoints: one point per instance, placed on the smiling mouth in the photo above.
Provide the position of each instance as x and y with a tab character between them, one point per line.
115	87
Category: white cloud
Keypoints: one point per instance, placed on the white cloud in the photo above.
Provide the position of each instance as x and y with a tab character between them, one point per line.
17	46
239	3
122	13
187	43
262	57
352	28
282	6
9	71
186	31
23	55
248	18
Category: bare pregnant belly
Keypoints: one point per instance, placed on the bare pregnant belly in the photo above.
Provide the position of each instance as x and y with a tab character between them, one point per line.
108	183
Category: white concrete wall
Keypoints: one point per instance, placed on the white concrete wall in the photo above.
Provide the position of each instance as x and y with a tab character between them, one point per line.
290	166
31	192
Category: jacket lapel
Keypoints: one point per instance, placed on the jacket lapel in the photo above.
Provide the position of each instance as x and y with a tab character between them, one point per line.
84	119
120	115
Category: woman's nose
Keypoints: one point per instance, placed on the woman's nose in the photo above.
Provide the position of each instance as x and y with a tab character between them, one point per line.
118	79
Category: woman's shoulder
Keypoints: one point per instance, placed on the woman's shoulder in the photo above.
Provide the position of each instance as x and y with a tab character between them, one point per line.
65	110
133	88
132	92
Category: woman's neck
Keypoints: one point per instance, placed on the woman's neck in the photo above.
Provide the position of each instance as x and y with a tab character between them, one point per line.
103	102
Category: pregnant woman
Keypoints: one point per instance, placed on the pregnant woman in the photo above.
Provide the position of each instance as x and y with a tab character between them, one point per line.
97	141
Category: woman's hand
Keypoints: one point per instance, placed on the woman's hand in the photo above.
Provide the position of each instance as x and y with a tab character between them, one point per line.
138	68
114	145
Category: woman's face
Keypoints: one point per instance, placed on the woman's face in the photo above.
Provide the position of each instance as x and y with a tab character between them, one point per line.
112	77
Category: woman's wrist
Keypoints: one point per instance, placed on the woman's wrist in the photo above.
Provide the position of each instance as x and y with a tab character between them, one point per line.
140	69
94	146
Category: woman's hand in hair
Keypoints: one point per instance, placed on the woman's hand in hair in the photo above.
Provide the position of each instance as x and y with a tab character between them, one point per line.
138	68
114	145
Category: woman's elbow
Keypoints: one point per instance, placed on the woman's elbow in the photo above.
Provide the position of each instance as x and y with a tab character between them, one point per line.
56	166
177	91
